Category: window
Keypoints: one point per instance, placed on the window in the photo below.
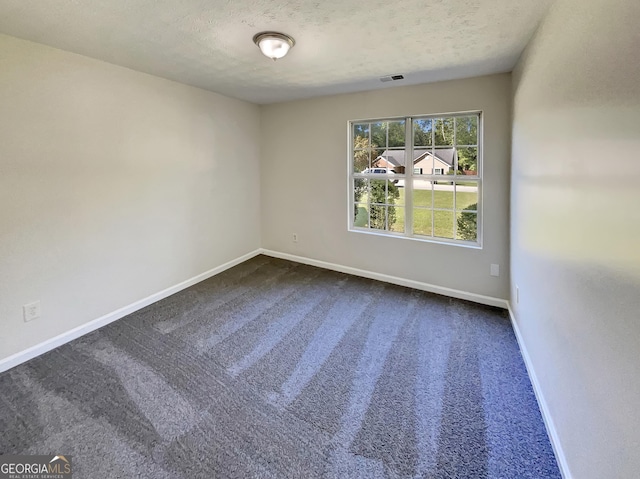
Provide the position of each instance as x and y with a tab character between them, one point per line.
430	188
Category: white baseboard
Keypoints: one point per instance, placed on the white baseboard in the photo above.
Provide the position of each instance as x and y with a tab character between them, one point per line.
542	403
48	345
431	288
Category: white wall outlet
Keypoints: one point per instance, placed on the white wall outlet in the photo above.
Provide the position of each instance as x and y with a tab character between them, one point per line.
495	270
31	311
295	237
517	294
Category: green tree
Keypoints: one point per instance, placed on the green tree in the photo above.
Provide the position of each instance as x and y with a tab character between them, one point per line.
468	159
395	130
467	130
443	131
468	224
467	136
378	196
361	153
422	130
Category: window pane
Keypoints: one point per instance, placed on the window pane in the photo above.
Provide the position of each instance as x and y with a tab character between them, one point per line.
379	135
378	191
443	196
422	221
443	224
468	160
443	131
376	153
361	135
393	192
360	190
466	195
361	216
467	130
395	218
444	160
443	174
467	226
422	195
401	191
377	217
361	160
392	159
396	133
422	132
422	161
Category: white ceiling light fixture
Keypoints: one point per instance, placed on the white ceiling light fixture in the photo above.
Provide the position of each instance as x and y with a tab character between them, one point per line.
273	45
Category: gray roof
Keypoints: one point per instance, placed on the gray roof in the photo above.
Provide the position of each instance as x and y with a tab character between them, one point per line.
396	157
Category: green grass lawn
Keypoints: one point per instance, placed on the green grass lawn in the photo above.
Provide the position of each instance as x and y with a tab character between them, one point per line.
422	213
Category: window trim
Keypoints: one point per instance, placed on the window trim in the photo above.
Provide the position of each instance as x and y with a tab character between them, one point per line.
409	175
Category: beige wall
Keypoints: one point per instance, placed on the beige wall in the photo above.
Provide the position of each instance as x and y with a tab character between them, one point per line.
113	185
576	228
429	164
304	185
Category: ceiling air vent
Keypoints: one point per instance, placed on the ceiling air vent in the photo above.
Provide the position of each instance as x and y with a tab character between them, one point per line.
392	78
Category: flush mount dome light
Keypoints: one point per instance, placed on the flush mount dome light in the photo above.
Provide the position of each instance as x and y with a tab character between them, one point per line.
273	45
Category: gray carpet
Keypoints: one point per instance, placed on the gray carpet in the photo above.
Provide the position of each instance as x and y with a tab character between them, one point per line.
274	369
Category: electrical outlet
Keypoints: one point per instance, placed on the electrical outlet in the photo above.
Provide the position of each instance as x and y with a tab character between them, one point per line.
31	311
295	237
517	294
495	270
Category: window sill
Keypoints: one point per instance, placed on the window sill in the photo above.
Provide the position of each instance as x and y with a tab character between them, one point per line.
441	241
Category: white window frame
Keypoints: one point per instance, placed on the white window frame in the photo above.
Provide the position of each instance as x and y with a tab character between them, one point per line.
409	175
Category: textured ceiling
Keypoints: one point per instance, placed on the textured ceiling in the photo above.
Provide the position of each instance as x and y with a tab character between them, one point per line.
341	45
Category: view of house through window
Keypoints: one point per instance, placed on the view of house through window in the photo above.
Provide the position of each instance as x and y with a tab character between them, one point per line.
418	177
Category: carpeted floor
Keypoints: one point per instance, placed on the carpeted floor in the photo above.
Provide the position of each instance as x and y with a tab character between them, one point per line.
274	369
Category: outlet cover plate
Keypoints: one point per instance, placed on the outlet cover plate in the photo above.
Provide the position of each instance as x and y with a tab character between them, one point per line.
31	311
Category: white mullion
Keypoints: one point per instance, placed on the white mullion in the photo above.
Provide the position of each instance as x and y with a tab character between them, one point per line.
433	186
480	174
369	181
455	211
478	214
386	181
455	139
386	146
369	203
386	217
455	175
370	147
350	181
408	177
386	204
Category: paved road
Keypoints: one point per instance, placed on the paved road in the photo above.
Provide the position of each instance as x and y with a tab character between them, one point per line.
426	185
